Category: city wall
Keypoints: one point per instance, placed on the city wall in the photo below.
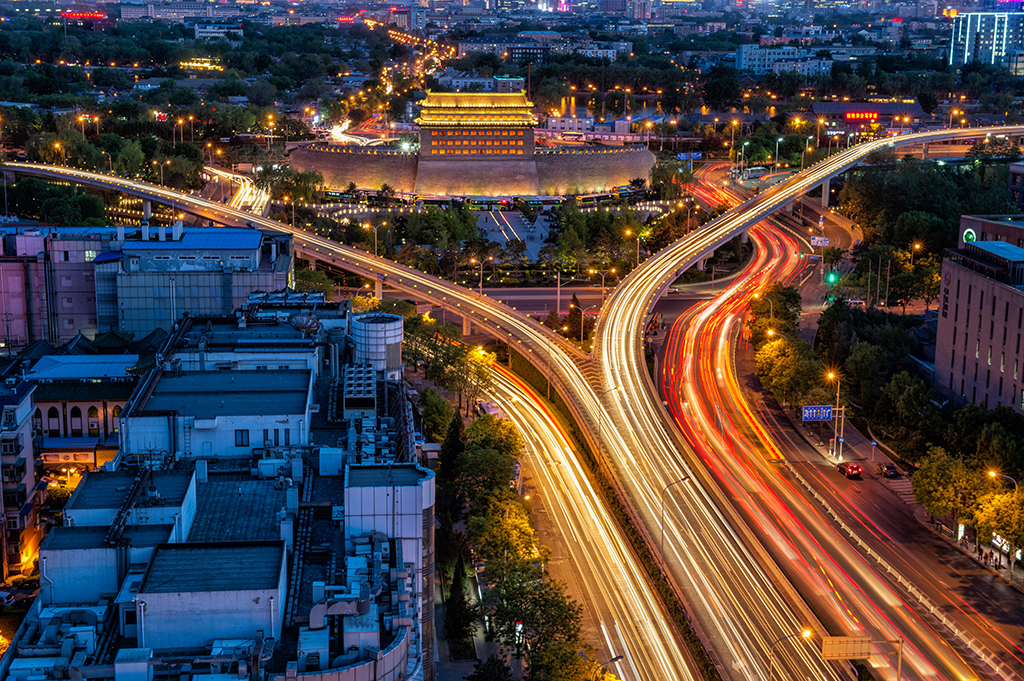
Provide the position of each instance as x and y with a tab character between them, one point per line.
367	167
558	171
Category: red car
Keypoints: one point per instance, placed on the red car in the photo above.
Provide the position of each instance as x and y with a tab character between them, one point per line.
850	470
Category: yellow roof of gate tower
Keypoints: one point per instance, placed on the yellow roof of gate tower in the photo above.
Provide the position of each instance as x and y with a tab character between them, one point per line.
476	109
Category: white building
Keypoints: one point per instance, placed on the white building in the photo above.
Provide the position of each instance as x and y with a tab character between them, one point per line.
757	60
218	30
570	123
17	457
216	413
805	66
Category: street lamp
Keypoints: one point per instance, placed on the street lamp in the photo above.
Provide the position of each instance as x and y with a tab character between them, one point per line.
993	474
192	128
611	661
917	247
732	138
603	274
109	160
367	225
806	634
81	119
63	156
481	263
821	122
288	198
743	154
181	131
161	166
664	489
629	232
807	147
771	305
837	434
777	153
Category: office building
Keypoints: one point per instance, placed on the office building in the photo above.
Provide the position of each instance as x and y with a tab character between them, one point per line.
978	356
22	496
175	11
986	37
757	60
218	30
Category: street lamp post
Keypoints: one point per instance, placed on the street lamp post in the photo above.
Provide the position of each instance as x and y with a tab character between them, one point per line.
743	155
583	315
777	142
63	156
602	666
288	198
161	166
821	121
917	247
771	305
663	490
807	147
370	225
838	433
806	634
110	161
603	274
629	232
481	263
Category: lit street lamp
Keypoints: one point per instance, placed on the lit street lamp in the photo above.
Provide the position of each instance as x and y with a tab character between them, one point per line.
475	262
605	273
602	666
368	225
288	198
771	304
629	232
664	489
109	160
807	147
917	247
777	153
161	166
806	634
837	435
993	474
63	156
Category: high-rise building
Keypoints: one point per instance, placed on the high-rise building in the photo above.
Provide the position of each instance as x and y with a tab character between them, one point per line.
986	37
978	357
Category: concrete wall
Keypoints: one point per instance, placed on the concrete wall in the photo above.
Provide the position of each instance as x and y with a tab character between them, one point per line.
587	170
214	436
78	575
389	664
191	620
368	168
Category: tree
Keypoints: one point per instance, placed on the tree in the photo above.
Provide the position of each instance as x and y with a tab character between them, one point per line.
943	485
832	256
928	101
459	614
315	280
494	668
436	413
527	608
908	397
489	432
452	447
1002	514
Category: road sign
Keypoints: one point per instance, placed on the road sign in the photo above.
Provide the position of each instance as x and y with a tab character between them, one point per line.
819	241
874	443
821	221
821	413
842	440
846	648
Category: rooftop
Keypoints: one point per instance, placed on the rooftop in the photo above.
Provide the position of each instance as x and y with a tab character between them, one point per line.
477	100
1001	249
209	394
81	367
240	566
400	475
236	508
104	489
63	538
200	239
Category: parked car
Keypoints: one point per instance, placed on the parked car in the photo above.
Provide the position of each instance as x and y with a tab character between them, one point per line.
6	598
850	470
887	470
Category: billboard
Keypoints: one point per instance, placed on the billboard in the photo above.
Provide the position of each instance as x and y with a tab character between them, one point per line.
846	648
822	413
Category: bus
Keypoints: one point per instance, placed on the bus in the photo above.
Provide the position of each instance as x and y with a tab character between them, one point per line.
587	200
436	200
488	203
755	172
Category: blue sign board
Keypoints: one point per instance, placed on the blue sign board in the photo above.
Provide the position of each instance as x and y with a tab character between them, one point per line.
819	241
684	156
874	443
818	413
842	439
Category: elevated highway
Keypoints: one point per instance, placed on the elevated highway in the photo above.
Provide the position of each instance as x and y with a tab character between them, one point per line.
740	598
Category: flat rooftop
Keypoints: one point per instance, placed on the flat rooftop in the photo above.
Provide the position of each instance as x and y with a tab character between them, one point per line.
63	538
189	568
102	489
82	367
1001	249
237	508
208	394
374	475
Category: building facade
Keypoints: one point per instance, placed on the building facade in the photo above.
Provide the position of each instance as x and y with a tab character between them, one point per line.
476	126
757	60
17	460
986	37
978	354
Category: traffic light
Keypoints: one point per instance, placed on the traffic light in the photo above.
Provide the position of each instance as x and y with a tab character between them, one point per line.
832	277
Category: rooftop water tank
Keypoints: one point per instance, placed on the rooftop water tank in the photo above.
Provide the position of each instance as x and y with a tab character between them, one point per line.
378	341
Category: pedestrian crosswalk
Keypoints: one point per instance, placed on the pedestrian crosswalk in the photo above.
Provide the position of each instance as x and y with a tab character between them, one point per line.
901	487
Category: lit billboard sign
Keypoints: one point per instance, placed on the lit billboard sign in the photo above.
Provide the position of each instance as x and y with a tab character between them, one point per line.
862	116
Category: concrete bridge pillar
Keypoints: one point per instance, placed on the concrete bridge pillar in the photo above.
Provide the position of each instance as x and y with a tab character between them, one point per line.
378	289
825	193
701	264
147	209
924	152
745	236
467	326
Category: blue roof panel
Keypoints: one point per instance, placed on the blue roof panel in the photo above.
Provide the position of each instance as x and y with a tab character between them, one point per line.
204	239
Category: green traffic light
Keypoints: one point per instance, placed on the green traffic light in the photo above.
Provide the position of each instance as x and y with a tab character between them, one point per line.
832	277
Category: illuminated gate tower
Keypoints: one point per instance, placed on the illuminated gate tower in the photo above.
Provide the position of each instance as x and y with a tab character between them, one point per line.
476	126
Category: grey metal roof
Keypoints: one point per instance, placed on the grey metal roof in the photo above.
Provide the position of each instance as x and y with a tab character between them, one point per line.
399	475
1002	249
103	489
81	367
201	239
63	538
208	394
238	566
